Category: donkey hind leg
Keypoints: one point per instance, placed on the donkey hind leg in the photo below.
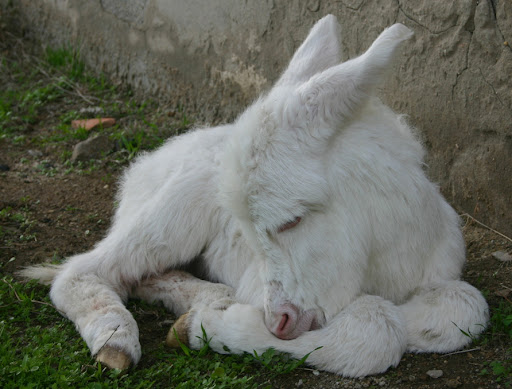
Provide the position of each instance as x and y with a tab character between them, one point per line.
99	314
179	292
444	317
367	337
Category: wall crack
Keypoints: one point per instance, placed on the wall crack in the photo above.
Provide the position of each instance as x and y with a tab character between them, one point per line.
420	24
495	93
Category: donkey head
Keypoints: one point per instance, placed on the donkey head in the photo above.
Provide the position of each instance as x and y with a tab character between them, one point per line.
275	177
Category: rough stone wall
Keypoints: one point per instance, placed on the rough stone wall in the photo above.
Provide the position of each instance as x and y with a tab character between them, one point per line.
453	78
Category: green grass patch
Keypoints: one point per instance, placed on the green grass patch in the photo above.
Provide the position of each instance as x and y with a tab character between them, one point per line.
16	225
68	59
41	349
501	327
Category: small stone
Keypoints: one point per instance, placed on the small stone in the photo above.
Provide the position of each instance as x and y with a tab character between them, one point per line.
91	110
316	372
453	383
435	373
44	165
412	378
35	153
502	256
91	148
299	383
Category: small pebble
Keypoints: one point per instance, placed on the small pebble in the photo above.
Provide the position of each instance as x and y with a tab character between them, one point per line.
435	373
316	372
299	383
91	110
35	153
502	256
453	383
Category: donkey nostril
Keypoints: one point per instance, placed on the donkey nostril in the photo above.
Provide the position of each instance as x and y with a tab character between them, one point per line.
283	322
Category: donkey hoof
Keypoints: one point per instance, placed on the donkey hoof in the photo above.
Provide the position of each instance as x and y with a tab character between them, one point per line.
178	332
113	358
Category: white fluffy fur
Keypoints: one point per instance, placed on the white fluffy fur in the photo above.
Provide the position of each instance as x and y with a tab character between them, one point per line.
375	259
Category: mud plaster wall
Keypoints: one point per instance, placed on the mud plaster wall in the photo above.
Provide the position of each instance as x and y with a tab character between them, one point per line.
453	79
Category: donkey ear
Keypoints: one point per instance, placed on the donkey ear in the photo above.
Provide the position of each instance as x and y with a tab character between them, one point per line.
318	52
334	95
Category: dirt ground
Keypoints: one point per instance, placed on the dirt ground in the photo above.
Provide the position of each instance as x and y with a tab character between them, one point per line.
68	211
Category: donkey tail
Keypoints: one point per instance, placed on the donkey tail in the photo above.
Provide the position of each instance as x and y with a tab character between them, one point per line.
44	274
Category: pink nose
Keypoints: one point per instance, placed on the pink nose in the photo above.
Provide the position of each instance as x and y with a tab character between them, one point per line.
286	322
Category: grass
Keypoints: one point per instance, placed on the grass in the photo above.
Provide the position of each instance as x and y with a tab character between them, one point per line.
16	225
501	326
38	89
41	349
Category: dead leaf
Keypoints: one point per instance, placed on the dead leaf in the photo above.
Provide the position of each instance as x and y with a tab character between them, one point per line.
89	124
502	256
503	293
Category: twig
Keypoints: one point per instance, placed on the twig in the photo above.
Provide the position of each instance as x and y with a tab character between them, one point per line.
75	89
18	297
111	335
486	226
463	351
12	287
45	303
73	86
307	369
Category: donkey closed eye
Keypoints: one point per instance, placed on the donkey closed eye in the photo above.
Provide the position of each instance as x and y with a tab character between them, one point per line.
289	224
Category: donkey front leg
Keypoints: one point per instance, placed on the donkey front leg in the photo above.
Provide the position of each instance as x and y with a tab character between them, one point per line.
96	308
367	337
179	292
444	317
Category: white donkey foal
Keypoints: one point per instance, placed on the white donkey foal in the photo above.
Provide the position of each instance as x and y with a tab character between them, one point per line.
313	213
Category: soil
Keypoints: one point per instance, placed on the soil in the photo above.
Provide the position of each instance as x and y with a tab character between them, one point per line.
70	211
